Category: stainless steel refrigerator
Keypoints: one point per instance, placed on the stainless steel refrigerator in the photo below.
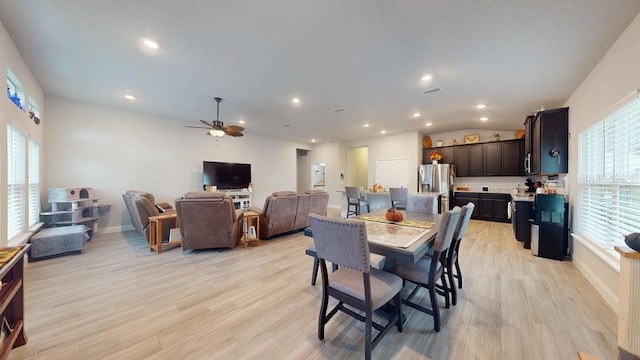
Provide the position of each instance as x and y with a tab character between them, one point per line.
438	178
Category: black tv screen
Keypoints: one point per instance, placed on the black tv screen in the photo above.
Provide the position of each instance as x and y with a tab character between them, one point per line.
226	176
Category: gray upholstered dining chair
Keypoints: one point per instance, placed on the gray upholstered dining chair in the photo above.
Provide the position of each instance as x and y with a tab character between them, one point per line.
454	249
398	197
355	283
422	203
429	269
353	200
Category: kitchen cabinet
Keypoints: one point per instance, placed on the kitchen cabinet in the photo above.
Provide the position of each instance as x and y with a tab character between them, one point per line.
489	206
512	154
447	152
492	159
469	160
520	219
547	142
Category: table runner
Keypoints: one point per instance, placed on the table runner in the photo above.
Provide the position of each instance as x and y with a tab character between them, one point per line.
382	219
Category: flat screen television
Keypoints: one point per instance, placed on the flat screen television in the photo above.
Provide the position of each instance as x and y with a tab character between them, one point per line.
226	176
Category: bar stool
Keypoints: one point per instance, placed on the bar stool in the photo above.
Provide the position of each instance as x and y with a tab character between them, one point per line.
353	200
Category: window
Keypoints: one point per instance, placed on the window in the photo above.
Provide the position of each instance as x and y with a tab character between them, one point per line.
15	91
609	175
34	183
15	182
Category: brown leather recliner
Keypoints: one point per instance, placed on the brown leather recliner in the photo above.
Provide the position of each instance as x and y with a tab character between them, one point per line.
286	211
141	205
208	220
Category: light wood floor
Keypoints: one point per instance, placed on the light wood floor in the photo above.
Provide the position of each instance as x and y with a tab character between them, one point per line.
120	301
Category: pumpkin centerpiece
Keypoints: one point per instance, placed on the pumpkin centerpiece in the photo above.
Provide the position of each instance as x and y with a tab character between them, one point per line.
393	215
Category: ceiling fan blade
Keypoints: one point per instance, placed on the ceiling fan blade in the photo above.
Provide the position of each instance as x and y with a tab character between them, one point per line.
234	133
206	123
235	128
195	127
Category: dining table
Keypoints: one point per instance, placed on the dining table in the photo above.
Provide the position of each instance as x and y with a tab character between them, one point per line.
405	241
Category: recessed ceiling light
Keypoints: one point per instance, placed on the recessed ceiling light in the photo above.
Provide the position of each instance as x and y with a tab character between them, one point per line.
429	124
427	77
416	115
240	121
481	106
484	118
150	44
383	132
295	100
313	140
129	97
366	125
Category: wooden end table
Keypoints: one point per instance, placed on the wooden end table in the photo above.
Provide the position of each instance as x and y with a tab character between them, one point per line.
155	232
249	218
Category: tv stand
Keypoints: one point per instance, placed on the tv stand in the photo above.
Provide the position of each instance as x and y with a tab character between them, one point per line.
241	198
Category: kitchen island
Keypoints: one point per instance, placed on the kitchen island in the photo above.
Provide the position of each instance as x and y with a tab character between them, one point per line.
377	200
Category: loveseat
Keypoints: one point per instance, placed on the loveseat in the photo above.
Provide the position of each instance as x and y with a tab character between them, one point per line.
141	205
286	211
208	220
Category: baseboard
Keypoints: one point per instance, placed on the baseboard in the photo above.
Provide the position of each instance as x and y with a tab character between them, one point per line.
115	229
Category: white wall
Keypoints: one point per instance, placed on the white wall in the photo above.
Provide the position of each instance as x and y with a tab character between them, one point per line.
402	146
485	135
615	76
331	155
113	151
9	113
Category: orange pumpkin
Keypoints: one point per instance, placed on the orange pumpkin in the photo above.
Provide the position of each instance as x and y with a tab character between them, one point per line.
393	215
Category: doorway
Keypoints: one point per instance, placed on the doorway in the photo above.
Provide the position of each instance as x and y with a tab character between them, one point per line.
358	167
318	176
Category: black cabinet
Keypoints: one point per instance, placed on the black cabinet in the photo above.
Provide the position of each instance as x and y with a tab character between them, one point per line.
447	152
521	224
490	207
492	159
469	160
547	142
512	154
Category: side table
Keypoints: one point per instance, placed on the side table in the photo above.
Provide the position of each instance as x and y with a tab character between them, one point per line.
249	218
155	232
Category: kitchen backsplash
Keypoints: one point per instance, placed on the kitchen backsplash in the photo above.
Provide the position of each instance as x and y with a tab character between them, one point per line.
505	184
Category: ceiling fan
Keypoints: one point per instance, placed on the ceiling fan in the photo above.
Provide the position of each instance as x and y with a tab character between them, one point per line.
217	128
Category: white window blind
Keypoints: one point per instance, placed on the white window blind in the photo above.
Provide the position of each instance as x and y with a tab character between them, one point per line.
609	175
15	182
34	183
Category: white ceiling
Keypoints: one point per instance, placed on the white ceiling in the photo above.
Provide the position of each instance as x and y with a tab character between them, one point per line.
364	56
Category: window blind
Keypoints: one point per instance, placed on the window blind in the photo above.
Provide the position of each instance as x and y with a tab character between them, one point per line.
609	175
15	182
34	183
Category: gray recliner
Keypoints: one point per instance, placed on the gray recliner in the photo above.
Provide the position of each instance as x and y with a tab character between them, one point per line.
141	205
208	220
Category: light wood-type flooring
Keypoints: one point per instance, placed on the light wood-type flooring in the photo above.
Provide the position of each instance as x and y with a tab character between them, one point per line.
117	300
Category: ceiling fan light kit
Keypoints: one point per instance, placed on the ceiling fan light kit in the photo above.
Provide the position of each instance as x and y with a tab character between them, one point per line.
216	127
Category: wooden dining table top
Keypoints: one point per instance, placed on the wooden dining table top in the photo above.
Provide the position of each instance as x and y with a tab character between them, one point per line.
413	252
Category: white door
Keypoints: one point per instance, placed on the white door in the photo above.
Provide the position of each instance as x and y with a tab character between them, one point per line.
393	173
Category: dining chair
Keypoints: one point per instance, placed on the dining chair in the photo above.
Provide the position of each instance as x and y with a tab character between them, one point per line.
429	269
422	203
355	284
399	197
451	262
460	232
377	261
353	200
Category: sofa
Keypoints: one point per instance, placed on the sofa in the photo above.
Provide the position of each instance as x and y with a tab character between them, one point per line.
208	220
141	205
286	211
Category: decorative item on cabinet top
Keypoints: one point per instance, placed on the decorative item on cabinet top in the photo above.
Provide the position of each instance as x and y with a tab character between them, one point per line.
472	139
426	141
519	134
